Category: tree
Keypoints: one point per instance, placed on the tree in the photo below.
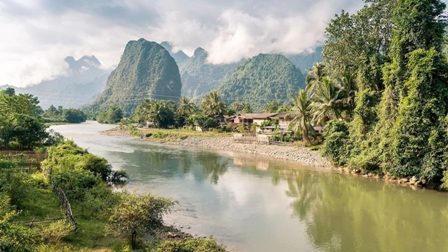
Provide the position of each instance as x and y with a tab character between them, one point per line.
271	107
326	101
20	123
135	216
315	77
213	105
302	118
185	109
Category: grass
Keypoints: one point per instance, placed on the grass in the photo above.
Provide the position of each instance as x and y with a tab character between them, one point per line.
176	135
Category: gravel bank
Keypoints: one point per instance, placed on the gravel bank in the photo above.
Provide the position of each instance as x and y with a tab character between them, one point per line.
301	155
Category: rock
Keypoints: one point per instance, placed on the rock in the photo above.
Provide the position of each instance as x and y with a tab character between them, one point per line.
413	179
148	135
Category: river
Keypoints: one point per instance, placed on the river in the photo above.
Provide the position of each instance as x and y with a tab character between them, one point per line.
252	203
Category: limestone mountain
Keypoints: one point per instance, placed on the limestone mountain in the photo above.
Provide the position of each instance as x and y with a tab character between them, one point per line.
84	80
179	56
262	79
146	71
199	77
305	60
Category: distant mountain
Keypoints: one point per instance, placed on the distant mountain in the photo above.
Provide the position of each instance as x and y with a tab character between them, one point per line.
85	80
262	79
305	60
180	57
146	70
199	77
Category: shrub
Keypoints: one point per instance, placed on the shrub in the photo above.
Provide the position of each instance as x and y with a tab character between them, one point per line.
55	231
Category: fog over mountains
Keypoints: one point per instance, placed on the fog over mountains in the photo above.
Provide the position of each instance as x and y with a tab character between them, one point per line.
85	79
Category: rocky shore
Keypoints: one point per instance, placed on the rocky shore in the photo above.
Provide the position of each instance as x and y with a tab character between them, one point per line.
291	153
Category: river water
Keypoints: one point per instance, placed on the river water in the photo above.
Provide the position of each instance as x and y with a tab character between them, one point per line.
252	203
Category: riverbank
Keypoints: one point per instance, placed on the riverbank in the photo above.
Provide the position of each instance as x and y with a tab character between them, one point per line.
291	153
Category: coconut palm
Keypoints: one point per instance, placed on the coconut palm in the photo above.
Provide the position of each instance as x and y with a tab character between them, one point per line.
185	109
327	101
302	115
213	105
315	77
348	91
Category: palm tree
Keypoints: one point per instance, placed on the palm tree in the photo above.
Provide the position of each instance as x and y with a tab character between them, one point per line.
315	77
185	109
348	91
213	105
302	119
327	101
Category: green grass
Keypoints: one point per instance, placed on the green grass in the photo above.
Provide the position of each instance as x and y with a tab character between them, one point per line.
175	135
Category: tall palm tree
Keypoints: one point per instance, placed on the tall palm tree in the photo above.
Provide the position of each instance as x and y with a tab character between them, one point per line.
213	105
349	89
185	109
315	77
327	101
302	119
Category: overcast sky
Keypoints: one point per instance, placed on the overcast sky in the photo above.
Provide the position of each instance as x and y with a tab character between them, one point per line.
37	35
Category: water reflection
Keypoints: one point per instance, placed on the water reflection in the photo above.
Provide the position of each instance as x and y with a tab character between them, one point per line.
252	203
345	213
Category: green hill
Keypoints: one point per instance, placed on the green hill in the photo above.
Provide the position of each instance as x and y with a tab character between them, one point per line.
305	60
199	77
262	79
146	70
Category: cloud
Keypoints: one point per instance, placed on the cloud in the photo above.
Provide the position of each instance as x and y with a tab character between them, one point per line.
37	35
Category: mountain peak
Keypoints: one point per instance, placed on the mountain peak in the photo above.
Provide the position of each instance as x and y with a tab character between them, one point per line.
199	52
83	63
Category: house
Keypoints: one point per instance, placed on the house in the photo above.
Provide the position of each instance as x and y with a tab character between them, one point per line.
249	118
284	119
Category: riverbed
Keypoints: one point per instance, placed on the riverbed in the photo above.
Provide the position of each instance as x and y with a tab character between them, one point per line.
255	203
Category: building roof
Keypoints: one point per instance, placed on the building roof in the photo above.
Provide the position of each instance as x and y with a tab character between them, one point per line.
257	115
285	113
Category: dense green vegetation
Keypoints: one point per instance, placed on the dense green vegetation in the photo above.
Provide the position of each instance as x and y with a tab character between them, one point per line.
146	70
21	126
390	54
71	115
261	80
200	77
59	197
305	60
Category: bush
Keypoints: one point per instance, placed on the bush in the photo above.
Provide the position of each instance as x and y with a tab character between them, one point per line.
191	245
55	232
336	142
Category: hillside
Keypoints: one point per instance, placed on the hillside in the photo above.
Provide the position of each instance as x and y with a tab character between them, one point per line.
146	70
305	60
85	80
262	79
179	56
199	77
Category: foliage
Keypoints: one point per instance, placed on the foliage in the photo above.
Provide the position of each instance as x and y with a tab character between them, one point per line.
20	123
389	70
145	70
55	232
200	77
212	104
302	117
190	245
71	115
202	121
262	79
135	216
336	138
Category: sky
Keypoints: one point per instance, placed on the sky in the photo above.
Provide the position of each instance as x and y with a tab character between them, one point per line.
36	35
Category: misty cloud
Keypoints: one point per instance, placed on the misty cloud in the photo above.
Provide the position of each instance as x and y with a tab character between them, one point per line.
37	35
